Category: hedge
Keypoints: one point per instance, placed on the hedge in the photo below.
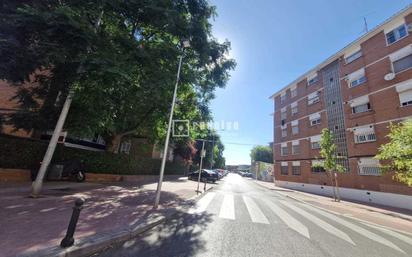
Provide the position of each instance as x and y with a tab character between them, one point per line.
24	153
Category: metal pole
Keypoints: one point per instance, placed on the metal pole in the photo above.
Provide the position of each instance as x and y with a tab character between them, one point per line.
162	167
68	240
38	183
213	152
200	167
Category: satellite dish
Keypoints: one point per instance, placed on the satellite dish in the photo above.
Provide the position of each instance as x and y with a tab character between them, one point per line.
389	76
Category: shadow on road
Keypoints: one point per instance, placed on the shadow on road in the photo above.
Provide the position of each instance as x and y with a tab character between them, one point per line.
179	236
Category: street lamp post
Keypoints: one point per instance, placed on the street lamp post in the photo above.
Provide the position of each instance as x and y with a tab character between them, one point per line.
202	154
162	167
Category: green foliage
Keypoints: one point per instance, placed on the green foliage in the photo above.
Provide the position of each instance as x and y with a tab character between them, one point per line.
328	152
262	153
213	146
397	154
120	57
22	153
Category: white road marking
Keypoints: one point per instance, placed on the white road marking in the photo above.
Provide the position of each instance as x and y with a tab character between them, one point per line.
287	219
399	236
324	225
227	210
356	228
255	213
202	204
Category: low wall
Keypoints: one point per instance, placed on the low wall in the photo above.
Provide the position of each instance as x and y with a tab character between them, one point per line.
97	177
23	175
14	175
388	199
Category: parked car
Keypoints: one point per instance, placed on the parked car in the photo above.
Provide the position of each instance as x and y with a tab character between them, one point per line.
219	173
246	174
206	175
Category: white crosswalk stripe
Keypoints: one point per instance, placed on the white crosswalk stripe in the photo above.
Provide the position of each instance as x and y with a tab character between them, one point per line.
203	203
399	236
287	219
355	228
255	213
227	210
322	224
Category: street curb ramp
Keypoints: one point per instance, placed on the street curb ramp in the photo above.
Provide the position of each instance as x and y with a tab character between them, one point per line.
97	243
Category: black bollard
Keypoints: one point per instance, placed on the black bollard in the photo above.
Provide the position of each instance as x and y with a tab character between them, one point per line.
68	240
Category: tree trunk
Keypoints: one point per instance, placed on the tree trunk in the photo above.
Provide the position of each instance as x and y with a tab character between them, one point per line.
337	186
333	186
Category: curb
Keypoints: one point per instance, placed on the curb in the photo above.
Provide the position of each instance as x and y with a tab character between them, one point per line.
339	214
89	246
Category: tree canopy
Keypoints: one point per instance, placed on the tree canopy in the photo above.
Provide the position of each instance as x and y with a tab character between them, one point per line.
120	57
397	153
262	153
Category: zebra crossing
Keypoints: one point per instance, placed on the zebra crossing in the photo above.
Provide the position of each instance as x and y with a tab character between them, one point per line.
287	212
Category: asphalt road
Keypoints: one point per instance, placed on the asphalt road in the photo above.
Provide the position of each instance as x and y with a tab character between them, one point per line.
241	218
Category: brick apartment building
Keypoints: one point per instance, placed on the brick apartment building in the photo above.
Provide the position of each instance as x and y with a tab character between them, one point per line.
355	93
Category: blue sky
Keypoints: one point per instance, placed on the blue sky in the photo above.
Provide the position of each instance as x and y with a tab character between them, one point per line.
274	42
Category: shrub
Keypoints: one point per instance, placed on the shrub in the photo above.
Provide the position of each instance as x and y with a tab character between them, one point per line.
24	153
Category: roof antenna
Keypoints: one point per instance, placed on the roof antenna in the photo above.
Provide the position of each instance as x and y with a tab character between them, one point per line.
366	24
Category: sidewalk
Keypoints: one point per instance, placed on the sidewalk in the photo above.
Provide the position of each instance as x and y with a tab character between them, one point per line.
398	219
35	227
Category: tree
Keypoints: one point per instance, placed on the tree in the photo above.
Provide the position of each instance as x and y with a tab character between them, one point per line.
120	57
214	149
262	153
397	153
330	162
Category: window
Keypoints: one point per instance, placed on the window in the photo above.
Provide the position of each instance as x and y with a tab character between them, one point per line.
294	108
314	119
317	166
315	145
125	147
396	34
404	90
296	168
361	108
284	131
293	92
369	167
315	122
282	97
312	79
283	114
360	104
358	81
284	150
284	168
295	147
357	78
313	98
402	64
353	56
315	142
364	134
295	127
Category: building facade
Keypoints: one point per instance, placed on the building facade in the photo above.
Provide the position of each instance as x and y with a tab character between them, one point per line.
356	93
